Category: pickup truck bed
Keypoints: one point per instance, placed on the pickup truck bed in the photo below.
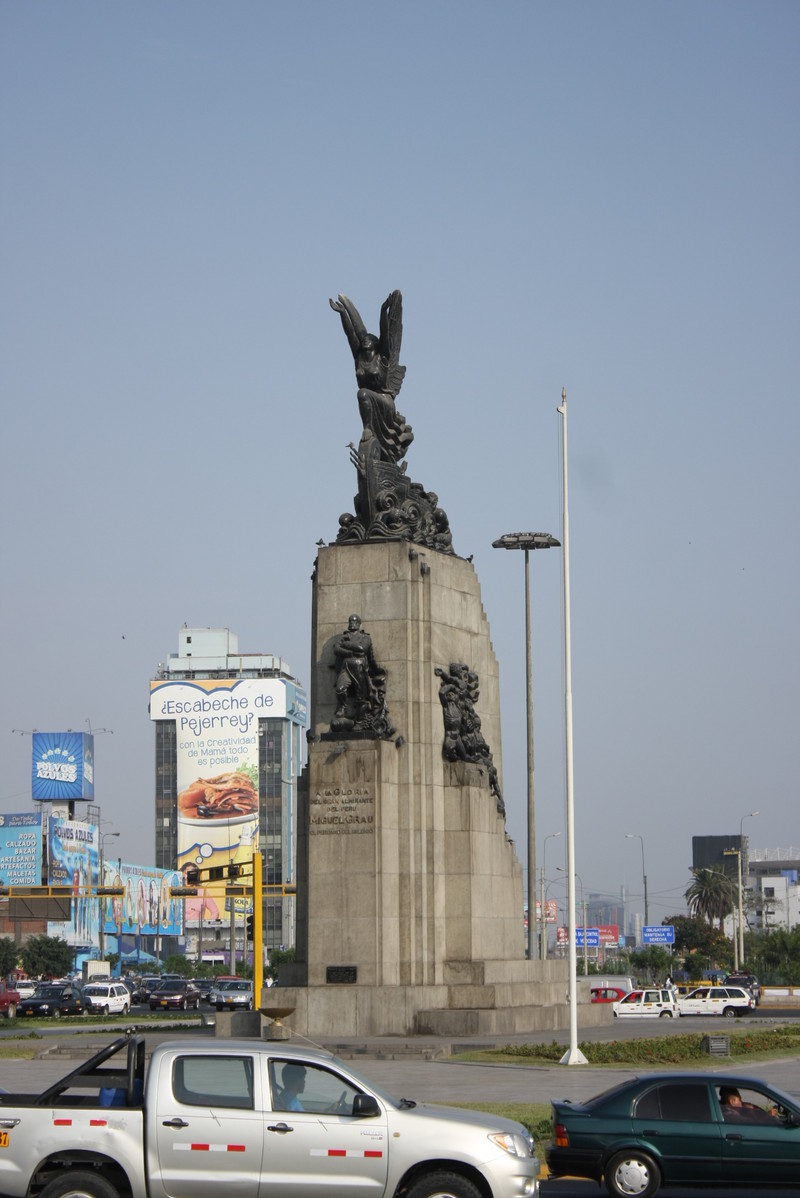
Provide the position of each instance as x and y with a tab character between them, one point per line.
92	1085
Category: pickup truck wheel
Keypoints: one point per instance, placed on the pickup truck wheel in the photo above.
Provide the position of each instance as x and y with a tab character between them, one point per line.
11	1011
632	1174
78	1183
124	1009
443	1185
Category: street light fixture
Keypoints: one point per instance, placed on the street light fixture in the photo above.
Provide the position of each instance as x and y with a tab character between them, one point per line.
636	836
529	541
543	930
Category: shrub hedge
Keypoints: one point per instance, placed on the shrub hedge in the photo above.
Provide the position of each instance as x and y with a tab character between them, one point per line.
663	1050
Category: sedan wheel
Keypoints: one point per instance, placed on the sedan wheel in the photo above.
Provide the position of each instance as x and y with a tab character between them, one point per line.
729	1012
124	1008
632	1175
56	1014
105	1009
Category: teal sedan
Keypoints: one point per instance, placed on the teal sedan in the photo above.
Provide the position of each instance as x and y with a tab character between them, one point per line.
679	1129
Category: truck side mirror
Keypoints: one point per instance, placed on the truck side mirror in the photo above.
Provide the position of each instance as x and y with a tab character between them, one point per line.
366	1105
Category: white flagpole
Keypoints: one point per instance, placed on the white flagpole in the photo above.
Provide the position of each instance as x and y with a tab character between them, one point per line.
573	1056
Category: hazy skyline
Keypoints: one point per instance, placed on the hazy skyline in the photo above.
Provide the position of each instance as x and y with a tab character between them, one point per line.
601	198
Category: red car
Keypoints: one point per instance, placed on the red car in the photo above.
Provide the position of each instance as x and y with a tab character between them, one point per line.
608	994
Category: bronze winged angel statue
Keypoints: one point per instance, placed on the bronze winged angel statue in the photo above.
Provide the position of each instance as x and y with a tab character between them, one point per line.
389	505
379	376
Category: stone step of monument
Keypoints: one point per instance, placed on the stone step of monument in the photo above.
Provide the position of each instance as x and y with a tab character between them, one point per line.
388	1049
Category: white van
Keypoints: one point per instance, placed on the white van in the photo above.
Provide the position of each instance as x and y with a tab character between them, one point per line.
110	998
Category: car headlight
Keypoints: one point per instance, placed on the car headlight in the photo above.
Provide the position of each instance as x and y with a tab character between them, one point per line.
515	1143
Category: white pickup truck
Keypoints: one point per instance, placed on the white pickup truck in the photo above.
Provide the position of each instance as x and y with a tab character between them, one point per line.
247	1119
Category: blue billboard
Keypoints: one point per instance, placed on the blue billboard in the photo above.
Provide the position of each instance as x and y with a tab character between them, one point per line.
21	850
63	766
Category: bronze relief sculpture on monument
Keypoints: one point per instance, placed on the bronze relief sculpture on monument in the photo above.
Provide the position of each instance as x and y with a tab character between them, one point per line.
388	506
463	739
360	687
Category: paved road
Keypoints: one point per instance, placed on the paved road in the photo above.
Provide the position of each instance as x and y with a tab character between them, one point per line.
428	1079
414	1068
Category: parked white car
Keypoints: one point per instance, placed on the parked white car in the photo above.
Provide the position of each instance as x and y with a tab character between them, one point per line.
717	1000
656	1003
110	998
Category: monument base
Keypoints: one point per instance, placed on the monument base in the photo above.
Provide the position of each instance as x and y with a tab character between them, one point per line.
477	998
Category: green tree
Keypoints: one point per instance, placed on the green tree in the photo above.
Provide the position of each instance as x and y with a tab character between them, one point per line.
711	895
177	963
278	957
652	962
9	955
695	964
693	934
47	955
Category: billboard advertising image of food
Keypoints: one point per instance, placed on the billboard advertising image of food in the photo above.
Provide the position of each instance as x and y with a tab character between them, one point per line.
21	849
216	725
63	766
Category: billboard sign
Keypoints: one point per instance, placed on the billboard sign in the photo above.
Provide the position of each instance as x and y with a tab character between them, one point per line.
659	934
146	908
63	766
216	725
21	850
72	854
550	911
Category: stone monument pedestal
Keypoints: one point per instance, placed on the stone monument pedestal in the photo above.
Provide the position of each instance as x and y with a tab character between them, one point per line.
409	897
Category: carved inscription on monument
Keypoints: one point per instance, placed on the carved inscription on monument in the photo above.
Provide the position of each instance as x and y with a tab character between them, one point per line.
342	811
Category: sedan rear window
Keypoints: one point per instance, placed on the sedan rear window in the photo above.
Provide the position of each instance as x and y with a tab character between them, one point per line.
680	1102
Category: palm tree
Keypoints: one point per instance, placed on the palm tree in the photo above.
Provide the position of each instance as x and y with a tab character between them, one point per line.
712	894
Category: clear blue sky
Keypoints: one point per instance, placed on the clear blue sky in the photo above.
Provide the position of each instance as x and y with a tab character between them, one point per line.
602	197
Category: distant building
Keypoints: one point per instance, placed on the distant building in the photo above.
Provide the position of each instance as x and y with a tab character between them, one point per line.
770	891
773	888
228	752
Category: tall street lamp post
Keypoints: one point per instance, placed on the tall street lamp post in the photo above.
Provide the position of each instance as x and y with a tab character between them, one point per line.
749	815
543	932
636	836
573	1055
529	541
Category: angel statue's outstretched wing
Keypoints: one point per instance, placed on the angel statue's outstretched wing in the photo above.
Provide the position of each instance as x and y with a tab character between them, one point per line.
352	323
390	340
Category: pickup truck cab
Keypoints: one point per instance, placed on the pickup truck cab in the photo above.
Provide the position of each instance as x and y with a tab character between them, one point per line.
248	1118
